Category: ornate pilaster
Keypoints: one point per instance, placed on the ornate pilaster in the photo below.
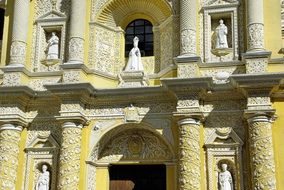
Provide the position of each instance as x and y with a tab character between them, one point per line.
69	165
9	151
255	25
19	33
77	28
188	27
261	152
189	154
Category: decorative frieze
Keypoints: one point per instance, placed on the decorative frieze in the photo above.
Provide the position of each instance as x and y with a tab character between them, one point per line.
10	136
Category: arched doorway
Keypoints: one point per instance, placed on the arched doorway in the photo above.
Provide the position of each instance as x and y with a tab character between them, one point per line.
132	157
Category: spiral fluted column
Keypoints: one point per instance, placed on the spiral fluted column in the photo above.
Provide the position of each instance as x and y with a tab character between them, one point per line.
10	136
189	154
69	165
261	153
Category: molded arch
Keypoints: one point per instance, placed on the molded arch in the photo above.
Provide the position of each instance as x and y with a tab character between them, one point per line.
108	135
122	11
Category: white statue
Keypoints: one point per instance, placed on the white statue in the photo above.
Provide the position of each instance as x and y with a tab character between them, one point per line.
134	61
225	179
43	179
221	35
53	47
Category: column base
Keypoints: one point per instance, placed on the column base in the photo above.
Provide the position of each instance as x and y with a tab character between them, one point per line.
187	66
74	72
256	61
15	75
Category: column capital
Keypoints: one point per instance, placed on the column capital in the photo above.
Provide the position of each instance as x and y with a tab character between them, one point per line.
189	121
260	115
72	125
9	126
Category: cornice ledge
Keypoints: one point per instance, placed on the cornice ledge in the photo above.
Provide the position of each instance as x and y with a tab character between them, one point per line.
175	84
15	119
17	89
64	88
194	114
152	90
257	80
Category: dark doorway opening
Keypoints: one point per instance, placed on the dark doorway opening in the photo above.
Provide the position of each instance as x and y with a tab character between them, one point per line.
137	177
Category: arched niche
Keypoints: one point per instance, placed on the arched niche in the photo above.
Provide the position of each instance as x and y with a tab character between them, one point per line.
42	150
107	40
132	142
128	144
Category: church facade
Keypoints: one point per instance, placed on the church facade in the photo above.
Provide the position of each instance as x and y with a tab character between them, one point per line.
141	94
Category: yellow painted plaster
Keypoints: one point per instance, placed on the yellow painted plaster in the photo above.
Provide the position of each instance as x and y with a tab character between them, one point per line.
22	158
278	141
272	27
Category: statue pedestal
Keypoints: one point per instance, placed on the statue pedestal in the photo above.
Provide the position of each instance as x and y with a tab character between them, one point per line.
50	62
220	52
133	79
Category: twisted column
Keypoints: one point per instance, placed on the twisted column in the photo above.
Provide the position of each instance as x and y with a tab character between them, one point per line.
188	27
77	29
20	31
70	152
261	153
189	155
255	25
10	136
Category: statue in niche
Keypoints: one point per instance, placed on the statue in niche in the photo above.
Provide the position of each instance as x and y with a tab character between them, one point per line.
134	61
221	35
53	47
43	179
225	179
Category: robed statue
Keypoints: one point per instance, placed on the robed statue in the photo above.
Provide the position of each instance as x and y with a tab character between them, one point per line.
225	179
134	62
221	35
43	179
53	47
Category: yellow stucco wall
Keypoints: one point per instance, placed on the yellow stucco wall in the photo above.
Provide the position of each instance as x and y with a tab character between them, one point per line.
278	140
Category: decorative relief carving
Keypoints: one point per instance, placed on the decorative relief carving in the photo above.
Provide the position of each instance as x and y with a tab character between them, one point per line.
104	56
71	76
135	145
18	52
189	156
256	36
131	114
261	155
76	49
69	164
9	152
166	45
188	41
256	65
38	84
12	79
188	70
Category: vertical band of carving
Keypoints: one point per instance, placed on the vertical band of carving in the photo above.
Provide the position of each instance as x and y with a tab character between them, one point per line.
69	165
77	29
261	153
10	136
256	36
188	27
20	31
189	155
255	27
